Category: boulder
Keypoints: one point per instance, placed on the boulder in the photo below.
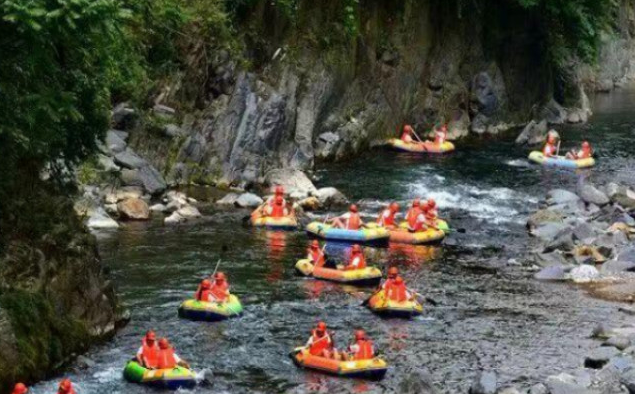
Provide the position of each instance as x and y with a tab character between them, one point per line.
152	180
538	388
568	384
544	216
310	203
330	197
628	380
618	341
561	196
615	266
107	163
293	181
134	209
114	142
583	274
99	219
484	383
130	159
229	199
552	273
508	390
534	133
121	134
563	241
124	117
158	208
583	231
174	218
326	145
622	195
627	254
590	194
553	113
549	259
131	177
189	211
417	380
599	357
248	200
111	209
173	131
550	231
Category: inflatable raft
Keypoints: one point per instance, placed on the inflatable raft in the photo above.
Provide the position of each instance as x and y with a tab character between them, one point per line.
421	147
281	223
369	276
374	369
379	304
211	311
440	224
560	161
403	236
171	379
375	235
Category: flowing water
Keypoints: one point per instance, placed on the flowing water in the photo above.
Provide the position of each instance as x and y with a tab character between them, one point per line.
487	318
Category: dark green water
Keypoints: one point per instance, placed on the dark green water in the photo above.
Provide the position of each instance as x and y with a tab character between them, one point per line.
486	318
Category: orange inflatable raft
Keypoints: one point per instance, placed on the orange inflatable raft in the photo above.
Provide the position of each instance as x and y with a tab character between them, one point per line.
374	368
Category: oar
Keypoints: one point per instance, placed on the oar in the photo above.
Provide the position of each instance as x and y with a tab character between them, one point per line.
430	300
558	150
216	268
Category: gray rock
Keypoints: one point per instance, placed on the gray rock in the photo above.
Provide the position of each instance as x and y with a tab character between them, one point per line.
99	219
553	113
534	133
508	390
84	362
550	231
293	181
229	199
544	216
627	254
122	134
628	220
484	383
592	195
189	211
618	341
152	180
327	145
111	209
417	380
130	159
611	240
158	208
615	266
331	197
583	231
114	143
628	380
623	196
538	388
124	117
131	178
563	241
174	218
554	272
583	274
107	163
161	109
173	131
248	200
568	384
599	357
550	259
561	196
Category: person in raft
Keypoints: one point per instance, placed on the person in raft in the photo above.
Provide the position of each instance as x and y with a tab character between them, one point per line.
65	387
583	153
350	220
219	291
148	353
320	343
413	212
316	254
551	149
167	358
357	260
422	221
19	388
393	273
278	209
440	135
407	134
387	216
278	191
397	290
362	348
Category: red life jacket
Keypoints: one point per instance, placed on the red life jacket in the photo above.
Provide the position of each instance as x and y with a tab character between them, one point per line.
411	216
317	257
166	358
549	149
406	137
397	292
420	223
387	283
361	263
277	211
365	350
71	391
319	343
386	218
220	292
203	295
353	222
150	354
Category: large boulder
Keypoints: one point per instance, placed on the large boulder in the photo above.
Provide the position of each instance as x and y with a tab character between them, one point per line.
552	273
99	219
248	200
484	383
326	145
188	212
114	142
616	266
584	231
107	163
544	216
568	384
229	199
583	274
130	177
563	241
152	180
330	197
134	209
553	112
295	182
174	218
561	196
599	357
124	117
417	380
550	231
624	197
591	195
534	133
130	159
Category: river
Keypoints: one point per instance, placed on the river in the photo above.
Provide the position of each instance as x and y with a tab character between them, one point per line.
491	314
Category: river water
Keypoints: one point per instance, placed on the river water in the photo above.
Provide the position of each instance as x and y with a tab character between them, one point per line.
488	318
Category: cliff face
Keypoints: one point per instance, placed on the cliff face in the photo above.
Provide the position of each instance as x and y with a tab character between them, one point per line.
312	93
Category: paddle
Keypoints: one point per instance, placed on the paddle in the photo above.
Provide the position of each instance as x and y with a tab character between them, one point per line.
558	149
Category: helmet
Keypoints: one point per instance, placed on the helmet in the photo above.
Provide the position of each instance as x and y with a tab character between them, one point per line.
393	271
65	385
416	203
360	334
163	343
278	199
586	145
20	388
219	276
321	326
399	280
357	249
431	203
394	207
150	336
279	190
206	284
353	208
315	244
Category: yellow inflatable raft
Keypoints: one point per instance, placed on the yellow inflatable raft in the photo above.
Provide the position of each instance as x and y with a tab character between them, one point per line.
369	276
374	368
421	147
560	161
381	305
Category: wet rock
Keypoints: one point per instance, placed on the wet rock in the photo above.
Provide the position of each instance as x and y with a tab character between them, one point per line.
599	357
538	388
544	216
84	362
553	273
508	390
158	208
568	384
618	341
628	380
485	383
248	200
592	195
583	231
553	113
107	163
534	133
152	180
561	196
130	177
330	197
99	219
622	195
293	181
551	259
583	274
134	209
417	380
124	117
111	209
615	266
563	241
309	204
114	143
550	231
130	159
327	144
229	199
188	211
174	218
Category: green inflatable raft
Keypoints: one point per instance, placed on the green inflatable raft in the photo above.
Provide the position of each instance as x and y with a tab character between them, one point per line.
171	379
211	311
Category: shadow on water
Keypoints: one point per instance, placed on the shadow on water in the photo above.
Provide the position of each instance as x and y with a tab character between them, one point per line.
485	317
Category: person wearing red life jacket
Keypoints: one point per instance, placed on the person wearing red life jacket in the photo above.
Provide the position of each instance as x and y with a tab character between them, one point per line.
278	209
278	191
393	272
167	358
19	388
220	288
203	293
550	149
583	153
65	387
350	220
149	350
316	254
431	207
362	348
320	343
397	290
441	135
413	212
357	260
407	134
387	216
421	221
